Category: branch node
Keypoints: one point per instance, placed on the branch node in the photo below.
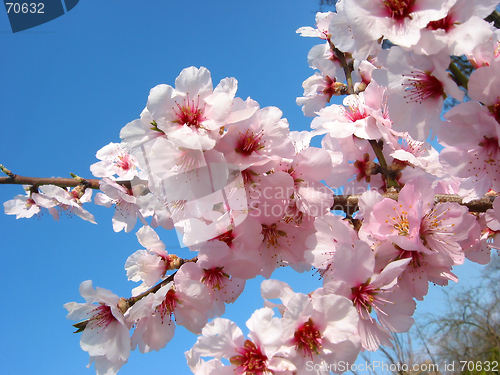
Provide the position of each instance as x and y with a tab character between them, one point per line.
7	172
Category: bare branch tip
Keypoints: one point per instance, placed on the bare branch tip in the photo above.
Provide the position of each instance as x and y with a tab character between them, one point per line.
6	171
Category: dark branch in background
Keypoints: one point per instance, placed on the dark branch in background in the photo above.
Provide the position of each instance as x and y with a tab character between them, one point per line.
495	18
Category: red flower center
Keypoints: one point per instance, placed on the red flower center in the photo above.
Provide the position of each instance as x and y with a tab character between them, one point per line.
30	202
250	142
189	113
416	258
365	168
250	360
271	234
422	86
308	339
124	162
227	237
365	297
495	110
168	305
102	317
355	113
491	150
445	24
214	278
331	88
399	9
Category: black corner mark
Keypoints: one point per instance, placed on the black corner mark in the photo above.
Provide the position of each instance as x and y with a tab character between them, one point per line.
25	14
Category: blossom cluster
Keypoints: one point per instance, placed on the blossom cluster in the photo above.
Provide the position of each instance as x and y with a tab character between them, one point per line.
246	195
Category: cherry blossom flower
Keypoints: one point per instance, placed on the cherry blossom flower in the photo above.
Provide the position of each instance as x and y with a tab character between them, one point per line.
257	140
460	31
421	157
354	166
126	204
492	220
472	135
310	197
493	216
344	36
355	117
322	58
284	244
300	140
24	206
416	89
322	23
318	91
192	113
66	201
104	366
188	300
478	246
488	94
269	196
483	54
140	132
222	287
114	160
414	223
400	21
353	276
247	195
237	249
316	328
331	232
424	268
149	265
221	338
106	333
152	318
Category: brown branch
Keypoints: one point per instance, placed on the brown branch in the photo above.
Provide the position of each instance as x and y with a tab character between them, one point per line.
349	203
92	183
390	181
132	300
347	69
346	203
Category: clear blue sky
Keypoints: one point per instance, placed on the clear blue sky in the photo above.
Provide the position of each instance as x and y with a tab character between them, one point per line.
66	89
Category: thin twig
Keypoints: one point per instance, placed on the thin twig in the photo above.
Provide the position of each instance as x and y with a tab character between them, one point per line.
132	300
347	69
389	180
460	78
128	303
